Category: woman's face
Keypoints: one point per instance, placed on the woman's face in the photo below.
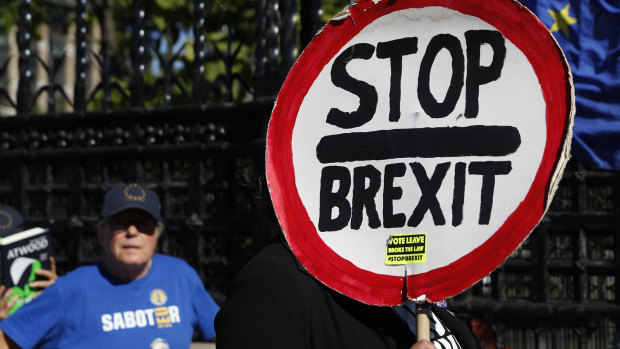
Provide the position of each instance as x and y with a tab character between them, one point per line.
130	238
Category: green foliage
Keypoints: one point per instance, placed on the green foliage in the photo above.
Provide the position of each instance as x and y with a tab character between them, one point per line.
234	20
9	16
229	25
238	15
117	99
332	7
170	15
170	5
41	12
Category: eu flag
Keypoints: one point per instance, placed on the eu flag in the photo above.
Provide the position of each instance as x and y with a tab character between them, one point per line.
589	33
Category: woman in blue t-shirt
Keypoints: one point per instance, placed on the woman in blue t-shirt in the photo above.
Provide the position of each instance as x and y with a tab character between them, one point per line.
131	298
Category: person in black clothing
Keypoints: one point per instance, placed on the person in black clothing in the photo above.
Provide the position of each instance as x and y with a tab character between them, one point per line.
277	304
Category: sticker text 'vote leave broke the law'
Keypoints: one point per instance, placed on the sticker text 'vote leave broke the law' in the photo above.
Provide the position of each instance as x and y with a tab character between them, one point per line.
405	249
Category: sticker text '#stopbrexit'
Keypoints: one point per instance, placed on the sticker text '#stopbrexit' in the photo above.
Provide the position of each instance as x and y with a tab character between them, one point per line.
406	249
365	184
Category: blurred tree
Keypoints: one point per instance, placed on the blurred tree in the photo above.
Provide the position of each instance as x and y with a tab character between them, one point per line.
230	28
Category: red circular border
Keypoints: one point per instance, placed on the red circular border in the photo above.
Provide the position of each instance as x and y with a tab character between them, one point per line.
529	35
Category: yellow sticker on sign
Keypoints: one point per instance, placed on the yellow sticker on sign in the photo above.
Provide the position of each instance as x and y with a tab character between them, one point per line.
406	249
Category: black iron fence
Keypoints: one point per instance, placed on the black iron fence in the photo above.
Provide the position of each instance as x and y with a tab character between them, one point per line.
558	289
97	94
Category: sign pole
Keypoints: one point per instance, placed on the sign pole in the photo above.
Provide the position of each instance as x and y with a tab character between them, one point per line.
423	328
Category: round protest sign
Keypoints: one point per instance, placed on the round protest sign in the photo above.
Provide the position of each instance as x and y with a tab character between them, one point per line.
415	144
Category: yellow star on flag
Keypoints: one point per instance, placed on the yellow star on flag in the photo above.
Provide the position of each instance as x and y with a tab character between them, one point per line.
562	20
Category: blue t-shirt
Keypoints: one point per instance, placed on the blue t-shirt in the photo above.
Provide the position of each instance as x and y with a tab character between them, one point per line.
89	308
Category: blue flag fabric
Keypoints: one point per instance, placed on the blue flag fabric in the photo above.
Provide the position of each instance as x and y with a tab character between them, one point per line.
589	33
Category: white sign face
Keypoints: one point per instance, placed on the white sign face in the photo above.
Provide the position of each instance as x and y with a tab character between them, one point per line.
418	142
361	240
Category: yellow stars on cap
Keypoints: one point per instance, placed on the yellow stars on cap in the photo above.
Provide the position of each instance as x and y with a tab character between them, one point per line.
562	20
134	187
9	220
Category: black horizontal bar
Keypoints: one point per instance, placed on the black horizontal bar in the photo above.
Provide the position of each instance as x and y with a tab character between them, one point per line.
259	108
129	152
419	143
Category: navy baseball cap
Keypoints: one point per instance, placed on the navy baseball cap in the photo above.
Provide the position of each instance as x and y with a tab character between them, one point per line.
11	221
128	196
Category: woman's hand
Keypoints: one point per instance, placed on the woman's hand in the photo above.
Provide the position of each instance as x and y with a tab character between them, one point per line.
6	303
49	275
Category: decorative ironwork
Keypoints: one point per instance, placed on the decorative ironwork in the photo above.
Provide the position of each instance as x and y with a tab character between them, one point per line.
267	28
198	79
169	79
81	66
311	11
138	55
561	281
4	93
226	79
288	36
56	170
96	90
24	35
